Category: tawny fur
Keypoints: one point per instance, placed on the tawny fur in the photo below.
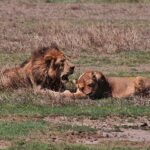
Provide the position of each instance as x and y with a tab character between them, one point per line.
44	69
94	84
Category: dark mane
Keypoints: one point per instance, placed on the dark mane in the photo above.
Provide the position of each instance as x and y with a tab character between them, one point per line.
24	63
42	50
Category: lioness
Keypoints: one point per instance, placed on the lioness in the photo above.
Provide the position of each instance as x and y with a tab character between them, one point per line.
47	68
94	84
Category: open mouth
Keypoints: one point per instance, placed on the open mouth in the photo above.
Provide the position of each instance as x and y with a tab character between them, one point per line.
64	78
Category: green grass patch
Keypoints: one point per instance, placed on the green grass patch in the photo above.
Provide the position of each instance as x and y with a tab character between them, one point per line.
130	59
28	103
14	129
21	145
13	58
75	110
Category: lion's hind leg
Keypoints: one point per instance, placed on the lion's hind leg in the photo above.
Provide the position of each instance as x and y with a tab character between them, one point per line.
142	86
5	81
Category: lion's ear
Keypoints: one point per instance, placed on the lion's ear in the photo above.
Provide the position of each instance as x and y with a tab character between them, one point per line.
99	76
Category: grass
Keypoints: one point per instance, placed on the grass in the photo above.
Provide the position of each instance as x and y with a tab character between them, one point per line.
95	36
38	146
21	97
21	145
130	59
11	130
103	33
73	110
13	58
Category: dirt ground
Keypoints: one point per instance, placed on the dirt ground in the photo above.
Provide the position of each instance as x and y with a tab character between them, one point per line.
114	128
109	129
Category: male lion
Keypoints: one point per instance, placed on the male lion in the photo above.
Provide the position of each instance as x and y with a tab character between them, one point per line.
47	68
94	84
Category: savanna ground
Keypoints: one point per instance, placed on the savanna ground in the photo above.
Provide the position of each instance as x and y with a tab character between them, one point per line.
113	37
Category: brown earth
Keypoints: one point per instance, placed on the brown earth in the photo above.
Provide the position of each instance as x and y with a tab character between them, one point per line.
112	128
106	129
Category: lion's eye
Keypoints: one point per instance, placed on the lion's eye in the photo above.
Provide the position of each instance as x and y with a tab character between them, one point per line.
59	65
62	64
48	62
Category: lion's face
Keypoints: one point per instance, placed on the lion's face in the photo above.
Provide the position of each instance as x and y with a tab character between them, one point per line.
68	69
88	83
58	65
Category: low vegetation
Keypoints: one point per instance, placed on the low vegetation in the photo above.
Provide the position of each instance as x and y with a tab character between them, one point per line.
69	110
95	34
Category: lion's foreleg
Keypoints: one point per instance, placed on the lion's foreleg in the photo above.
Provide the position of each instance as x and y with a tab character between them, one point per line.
34	85
76	95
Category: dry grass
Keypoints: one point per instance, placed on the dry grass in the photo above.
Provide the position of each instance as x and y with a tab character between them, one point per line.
86	32
80	29
75	27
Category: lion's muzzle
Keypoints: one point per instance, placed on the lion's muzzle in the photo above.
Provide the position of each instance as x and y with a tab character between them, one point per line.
64	76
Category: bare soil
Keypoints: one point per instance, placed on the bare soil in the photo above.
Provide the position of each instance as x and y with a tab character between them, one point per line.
14	118
133	135
110	128
4	144
113	128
